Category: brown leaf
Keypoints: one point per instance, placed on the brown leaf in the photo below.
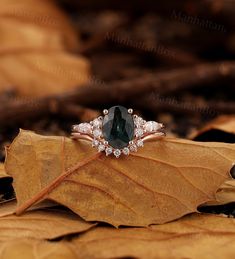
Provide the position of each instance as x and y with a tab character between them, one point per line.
162	182
34	58
48	223
225	194
196	236
57	72
25	27
3	173
35	249
221	129
8	207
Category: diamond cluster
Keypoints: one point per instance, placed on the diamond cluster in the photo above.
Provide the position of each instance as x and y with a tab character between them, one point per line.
95	130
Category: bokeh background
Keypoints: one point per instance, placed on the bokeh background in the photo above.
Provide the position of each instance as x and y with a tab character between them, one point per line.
62	62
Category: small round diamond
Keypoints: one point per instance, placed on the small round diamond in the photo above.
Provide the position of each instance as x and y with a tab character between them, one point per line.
97	123
140	143
139	132
126	151
117	153
133	148
95	143
138	121
151	126
101	147
108	151
97	133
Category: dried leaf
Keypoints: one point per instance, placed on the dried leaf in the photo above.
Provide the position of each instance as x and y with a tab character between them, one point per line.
3	173
25	27
221	129
162	182
49	223
34	58
35	249
57	72
196	236
225	194
8	207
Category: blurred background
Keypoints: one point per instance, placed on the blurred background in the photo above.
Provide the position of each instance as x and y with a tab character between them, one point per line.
62	62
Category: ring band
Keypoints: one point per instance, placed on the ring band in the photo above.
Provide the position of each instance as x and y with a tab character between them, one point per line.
118	131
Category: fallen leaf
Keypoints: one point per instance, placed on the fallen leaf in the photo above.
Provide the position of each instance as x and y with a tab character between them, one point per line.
49	223
196	236
34	52
225	194
25	27
221	129
35	249
162	182
8	207
48	72
3	173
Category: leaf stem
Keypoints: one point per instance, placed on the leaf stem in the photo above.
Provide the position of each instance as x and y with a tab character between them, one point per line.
54	184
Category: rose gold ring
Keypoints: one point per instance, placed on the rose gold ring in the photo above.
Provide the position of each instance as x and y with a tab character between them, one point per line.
118	131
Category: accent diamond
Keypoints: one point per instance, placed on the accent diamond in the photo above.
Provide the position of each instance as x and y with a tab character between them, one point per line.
97	133
97	123
101	147
140	143
139	132
95	143
152	126
138	121
133	148
117	153
108	151
83	128
126	151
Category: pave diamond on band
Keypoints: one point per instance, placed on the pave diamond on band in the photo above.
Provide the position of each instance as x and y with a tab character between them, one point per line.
118	132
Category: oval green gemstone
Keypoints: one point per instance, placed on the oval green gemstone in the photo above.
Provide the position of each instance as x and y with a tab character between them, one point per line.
118	127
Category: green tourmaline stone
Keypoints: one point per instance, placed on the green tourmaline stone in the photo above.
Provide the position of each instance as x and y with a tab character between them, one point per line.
118	127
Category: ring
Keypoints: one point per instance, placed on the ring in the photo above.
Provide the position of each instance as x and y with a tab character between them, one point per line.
118	132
